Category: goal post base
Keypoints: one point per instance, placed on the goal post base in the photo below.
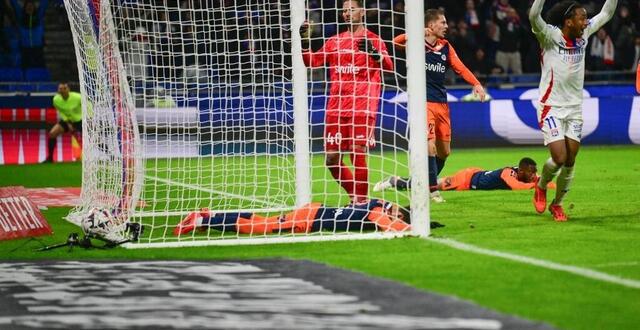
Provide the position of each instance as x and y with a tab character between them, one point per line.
270	240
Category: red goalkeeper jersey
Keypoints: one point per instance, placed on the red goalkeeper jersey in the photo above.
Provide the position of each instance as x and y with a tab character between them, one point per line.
355	76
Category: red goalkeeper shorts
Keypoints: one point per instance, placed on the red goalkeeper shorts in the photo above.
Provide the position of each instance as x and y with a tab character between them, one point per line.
342	133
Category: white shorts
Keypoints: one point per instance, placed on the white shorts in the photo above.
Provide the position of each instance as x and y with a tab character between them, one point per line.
557	123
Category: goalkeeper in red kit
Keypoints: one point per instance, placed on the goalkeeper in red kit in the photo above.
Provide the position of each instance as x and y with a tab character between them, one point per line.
355	59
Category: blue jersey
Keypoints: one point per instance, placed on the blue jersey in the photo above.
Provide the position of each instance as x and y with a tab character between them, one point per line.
355	217
489	180
436	63
440	57
349	218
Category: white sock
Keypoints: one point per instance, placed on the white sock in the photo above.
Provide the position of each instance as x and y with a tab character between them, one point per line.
549	171
564	182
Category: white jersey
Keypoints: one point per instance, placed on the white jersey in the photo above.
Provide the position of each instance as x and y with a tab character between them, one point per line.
562	58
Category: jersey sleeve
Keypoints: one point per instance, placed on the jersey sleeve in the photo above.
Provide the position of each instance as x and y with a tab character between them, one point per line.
510	177
598	21
460	68
319	58
378	216
400	41
539	27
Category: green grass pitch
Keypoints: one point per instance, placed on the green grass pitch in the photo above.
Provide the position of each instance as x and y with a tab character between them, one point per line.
602	235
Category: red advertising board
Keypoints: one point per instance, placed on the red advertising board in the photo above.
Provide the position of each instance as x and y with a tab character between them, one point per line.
19	216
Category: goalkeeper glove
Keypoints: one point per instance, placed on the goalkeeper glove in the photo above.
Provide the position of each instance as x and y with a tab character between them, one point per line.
305	35
366	46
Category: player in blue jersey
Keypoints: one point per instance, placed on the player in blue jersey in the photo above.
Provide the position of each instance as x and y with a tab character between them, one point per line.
473	178
369	215
439	57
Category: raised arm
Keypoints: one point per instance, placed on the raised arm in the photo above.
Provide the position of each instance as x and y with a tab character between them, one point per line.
535	16
311	59
603	17
400	41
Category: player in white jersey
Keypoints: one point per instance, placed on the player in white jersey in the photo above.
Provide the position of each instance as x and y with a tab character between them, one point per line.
563	40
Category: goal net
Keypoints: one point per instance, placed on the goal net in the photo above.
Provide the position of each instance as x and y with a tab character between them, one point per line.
192	105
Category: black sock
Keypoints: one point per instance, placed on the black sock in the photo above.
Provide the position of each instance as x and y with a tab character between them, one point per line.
50	146
440	162
433	171
403	184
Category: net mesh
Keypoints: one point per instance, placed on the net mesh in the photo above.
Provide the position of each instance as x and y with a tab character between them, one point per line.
189	105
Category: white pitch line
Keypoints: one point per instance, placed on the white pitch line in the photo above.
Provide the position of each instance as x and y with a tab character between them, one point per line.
618	264
584	272
211	191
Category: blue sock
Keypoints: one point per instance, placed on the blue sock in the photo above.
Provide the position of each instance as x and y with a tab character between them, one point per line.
433	171
440	162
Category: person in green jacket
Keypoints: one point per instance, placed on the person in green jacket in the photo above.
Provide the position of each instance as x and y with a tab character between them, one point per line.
69	106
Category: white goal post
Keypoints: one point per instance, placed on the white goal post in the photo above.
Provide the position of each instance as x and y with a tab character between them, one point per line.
192	105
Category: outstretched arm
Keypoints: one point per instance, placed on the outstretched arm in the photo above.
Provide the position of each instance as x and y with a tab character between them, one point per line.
509	176
378	216
312	59
603	17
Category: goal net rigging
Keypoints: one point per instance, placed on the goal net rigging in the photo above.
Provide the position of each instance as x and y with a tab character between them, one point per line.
208	104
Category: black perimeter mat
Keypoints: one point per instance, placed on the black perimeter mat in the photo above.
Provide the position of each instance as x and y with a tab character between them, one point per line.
254	294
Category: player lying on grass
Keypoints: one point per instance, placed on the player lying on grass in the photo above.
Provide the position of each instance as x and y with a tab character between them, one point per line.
518	177
374	214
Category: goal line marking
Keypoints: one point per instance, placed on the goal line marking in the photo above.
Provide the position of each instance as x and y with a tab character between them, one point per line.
583	272
211	191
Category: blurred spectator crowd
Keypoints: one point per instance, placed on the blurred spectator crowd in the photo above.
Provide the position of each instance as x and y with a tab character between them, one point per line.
494	36
211	39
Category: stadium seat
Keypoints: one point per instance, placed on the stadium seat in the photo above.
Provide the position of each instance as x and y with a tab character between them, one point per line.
10	74
48	87
37	74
